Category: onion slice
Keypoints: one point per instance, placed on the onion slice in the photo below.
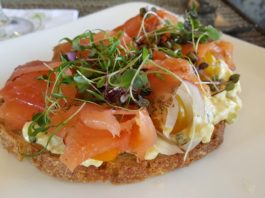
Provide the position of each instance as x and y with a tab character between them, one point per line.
193	102
172	116
197	99
166	148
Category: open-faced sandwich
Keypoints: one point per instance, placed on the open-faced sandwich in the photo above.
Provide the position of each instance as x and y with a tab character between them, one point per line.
150	96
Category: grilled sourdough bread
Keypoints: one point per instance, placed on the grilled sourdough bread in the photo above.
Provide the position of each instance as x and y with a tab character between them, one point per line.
124	169
148	97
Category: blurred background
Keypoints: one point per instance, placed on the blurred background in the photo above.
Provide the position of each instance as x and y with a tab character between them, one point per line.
244	19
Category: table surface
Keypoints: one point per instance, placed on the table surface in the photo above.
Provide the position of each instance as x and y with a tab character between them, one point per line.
216	12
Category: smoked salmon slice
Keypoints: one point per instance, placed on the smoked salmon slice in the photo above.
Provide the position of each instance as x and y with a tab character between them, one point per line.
88	136
15	113
23	91
126	43
133	26
220	49
22	97
34	66
166	83
83	143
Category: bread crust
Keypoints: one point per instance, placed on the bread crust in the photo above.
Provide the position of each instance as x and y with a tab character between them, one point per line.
124	169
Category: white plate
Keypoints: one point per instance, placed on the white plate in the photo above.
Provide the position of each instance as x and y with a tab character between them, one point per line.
236	169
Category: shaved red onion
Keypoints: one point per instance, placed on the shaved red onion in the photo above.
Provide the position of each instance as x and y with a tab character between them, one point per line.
71	56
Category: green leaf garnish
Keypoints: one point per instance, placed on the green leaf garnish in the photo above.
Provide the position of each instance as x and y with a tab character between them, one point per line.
101	82
58	95
126	78
141	81
81	83
213	34
145	53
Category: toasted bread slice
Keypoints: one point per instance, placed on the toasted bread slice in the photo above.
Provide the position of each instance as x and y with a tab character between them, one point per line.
124	169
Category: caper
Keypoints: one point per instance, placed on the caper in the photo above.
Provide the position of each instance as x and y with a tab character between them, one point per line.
229	86
193	57
212	88
32	139
182	139
187	25
142	11
193	14
234	78
203	66
153	9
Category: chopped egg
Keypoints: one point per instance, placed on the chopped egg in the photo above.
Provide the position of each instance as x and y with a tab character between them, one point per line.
56	145
151	154
217	68
222	106
202	126
227	105
92	162
223	70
